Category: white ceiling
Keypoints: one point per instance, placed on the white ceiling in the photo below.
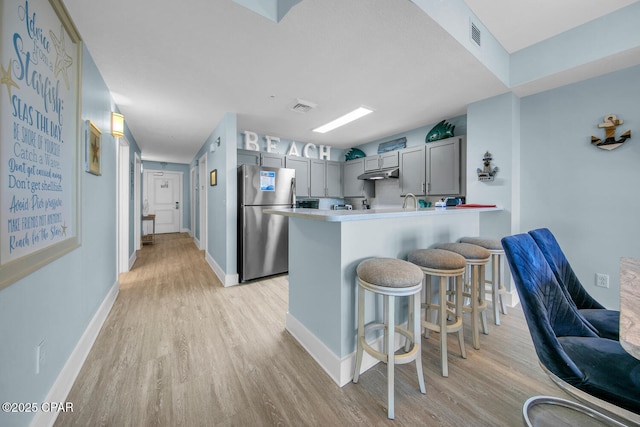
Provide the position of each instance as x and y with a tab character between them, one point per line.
175	68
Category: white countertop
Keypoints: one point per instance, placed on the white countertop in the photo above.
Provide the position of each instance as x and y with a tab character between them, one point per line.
361	214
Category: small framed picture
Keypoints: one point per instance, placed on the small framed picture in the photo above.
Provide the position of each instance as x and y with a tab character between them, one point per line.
213	177
93	149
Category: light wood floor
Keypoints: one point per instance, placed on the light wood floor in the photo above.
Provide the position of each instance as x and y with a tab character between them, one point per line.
178	349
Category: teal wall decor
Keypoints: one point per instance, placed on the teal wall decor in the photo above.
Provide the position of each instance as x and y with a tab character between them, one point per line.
354	153
440	131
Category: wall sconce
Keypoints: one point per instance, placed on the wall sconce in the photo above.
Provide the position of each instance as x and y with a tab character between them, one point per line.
117	125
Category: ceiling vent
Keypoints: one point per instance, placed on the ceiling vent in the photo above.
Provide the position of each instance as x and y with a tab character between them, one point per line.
302	106
475	34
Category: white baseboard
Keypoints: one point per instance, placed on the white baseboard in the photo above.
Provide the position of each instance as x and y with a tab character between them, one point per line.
132	260
196	242
62	386
226	279
185	230
340	370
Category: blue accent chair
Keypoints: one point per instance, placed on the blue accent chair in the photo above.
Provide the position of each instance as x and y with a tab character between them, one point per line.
605	322
566	345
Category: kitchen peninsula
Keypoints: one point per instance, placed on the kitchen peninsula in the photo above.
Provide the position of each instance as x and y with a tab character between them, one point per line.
325	248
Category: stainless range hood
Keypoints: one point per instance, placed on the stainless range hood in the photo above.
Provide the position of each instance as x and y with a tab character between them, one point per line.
380	174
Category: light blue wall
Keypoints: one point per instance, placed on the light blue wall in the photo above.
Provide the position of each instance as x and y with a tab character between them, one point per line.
57	302
414	137
186	185
221	199
587	196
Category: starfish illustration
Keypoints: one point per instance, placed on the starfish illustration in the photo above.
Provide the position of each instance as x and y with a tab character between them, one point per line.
63	60
95	152
64	229
7	78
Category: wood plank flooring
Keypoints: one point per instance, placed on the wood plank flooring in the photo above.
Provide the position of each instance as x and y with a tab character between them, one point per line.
178	349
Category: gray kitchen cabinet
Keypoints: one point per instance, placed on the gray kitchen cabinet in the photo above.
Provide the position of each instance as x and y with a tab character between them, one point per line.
259	158
443	159
326	178
381	161
272	159
248	157
334	179
352	186
303	174
413	171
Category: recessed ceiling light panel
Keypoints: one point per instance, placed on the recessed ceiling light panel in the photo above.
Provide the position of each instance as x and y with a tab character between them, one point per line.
343	120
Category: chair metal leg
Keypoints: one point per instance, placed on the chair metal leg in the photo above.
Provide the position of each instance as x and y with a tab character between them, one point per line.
389	339
360	337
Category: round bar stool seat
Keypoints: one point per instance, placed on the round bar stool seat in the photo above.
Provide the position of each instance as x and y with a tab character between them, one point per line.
390	278
443	265
476	258
497	289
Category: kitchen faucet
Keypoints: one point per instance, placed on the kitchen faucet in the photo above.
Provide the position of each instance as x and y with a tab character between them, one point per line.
415	202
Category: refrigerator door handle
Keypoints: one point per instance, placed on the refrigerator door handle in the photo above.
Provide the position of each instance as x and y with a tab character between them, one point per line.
293	192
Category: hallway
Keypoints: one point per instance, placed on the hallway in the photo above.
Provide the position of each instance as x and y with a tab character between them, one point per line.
179	349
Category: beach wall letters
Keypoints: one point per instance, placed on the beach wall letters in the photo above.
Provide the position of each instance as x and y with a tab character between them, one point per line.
309	150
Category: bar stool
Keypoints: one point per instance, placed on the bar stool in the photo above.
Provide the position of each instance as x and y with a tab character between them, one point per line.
494	246
391	278
476	258
444	265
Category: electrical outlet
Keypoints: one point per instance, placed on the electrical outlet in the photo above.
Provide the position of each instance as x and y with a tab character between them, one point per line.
602	280
40	356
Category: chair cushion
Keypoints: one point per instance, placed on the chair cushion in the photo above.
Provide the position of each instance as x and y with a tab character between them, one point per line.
437	259
606	322
486	242
390	272
467	250
610	373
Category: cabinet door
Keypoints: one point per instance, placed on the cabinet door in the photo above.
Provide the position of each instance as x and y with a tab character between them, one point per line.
352	186
371	163
334	179
301	166
317	182
272	160
443	167
412	171
389	160
248	157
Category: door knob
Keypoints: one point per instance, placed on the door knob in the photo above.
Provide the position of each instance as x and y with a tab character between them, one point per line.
177	205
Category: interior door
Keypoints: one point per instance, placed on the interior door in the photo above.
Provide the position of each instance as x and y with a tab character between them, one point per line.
164	195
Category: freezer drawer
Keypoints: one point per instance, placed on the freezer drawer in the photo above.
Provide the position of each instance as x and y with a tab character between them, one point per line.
264	243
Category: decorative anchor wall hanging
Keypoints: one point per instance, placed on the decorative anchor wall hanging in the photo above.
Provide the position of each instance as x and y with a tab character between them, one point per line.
609	124
487	173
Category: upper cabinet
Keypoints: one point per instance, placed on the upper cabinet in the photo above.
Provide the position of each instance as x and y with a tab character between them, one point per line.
443	167
326	178
303	174
413	171
353	187
259	158
381	161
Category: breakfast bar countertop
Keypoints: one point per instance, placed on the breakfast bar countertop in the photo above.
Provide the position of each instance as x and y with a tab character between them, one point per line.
366	214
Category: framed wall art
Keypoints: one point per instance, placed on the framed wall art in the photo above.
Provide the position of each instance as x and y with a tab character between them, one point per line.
213	177
93	149
40	136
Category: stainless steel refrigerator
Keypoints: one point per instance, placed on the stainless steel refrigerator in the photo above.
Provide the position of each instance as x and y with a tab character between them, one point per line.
263	239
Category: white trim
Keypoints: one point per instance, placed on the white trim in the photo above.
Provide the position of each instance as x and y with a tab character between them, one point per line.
193	191
197	242
202	194
123	178
185	230
62	386
132	259
226	279
137	201
339	369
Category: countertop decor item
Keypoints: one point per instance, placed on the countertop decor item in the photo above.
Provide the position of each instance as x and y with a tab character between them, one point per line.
354	153
487	173
610	123
440	131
